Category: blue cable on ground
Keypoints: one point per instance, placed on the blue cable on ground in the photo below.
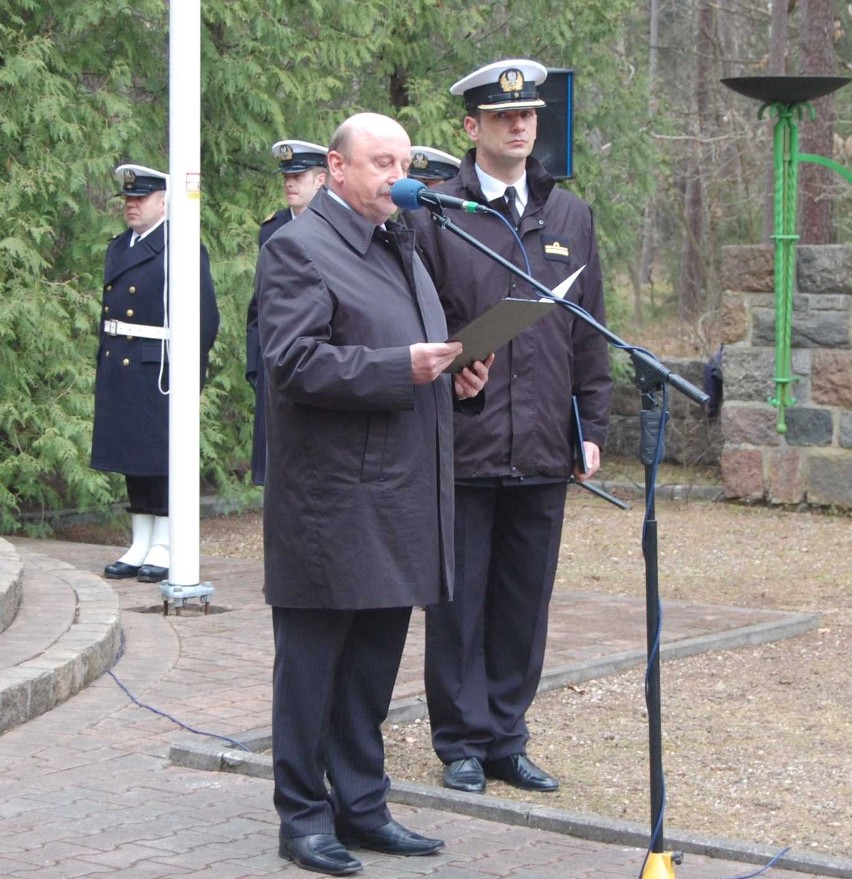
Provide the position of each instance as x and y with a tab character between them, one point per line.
765	867
168	716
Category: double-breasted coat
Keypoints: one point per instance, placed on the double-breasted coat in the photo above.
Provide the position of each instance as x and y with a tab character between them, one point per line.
359	486
131	426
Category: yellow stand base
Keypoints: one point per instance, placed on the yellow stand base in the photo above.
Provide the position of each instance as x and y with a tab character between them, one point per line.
660	865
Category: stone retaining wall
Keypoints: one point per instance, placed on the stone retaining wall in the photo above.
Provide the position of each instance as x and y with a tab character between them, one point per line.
812	462
691	437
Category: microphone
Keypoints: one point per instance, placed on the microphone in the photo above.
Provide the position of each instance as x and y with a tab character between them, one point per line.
411	195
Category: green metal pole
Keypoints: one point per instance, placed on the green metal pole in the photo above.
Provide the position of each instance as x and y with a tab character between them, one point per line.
785	160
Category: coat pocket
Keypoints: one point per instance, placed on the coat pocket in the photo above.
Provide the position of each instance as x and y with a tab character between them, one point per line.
375	443
152	351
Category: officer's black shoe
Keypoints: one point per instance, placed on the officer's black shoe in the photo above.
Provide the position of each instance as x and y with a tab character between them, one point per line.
120	571
320	852
152	574
465	775
392	839
519	771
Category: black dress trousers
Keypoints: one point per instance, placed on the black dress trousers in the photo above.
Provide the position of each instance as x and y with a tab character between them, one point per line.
485	648
333	679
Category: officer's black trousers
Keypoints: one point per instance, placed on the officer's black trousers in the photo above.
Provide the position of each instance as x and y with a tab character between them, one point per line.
148	494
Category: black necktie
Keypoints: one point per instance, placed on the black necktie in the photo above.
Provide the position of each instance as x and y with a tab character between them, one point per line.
510	195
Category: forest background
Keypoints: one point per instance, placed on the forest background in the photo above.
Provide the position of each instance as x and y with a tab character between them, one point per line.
674	164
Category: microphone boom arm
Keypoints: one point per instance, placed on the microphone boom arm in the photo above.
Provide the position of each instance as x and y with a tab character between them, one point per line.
649	371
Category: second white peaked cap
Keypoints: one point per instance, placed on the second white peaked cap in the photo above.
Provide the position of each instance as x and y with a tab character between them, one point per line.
503	85
297	156
428	163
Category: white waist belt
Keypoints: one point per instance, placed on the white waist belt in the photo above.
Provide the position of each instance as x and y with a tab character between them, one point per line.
119	328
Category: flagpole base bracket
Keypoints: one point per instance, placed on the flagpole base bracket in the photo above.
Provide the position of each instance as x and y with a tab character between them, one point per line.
179	596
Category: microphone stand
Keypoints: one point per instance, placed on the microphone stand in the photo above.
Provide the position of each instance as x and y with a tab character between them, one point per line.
651	377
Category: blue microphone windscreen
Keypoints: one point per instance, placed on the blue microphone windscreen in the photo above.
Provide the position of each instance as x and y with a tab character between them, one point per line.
404	194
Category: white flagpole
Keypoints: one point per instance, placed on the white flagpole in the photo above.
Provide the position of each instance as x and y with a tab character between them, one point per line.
184	232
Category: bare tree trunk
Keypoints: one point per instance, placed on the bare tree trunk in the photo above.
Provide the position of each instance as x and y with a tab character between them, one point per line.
647	260
692	294
818	58
777	66
709	53
398	88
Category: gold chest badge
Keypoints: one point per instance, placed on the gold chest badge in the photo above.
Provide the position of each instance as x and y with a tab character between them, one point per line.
557	249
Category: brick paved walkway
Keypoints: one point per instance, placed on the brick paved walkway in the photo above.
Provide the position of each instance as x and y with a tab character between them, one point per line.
87	788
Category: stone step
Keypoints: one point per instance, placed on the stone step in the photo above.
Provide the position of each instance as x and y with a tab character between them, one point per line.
65	632
11	571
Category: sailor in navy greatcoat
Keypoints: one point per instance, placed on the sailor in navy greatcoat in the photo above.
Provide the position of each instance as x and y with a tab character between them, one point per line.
131	424
302	165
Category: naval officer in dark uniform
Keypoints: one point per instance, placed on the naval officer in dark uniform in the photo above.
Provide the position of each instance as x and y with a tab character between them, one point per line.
303	168
485	649
131	427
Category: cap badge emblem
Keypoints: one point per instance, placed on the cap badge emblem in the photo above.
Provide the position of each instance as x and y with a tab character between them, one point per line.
129	179
511	80
419	161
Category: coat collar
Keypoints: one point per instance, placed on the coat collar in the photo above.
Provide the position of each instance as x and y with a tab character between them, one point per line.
356	230
121	256
540	183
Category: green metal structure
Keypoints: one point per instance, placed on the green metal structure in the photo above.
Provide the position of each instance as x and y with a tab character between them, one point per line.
787	98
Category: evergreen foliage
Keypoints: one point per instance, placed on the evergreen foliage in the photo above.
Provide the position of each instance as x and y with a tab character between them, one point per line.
84	86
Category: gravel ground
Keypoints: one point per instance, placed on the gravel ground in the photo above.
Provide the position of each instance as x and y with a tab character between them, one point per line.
757	742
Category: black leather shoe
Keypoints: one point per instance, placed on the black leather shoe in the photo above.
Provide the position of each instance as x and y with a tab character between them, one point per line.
120	571
465	775
320	852
392	839
152	574
519	771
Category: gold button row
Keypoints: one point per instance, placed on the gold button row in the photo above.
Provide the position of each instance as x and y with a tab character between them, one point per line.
124	362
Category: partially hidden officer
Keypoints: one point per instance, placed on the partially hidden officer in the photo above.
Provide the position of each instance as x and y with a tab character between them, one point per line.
131	425
302	168
485	649
432	166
